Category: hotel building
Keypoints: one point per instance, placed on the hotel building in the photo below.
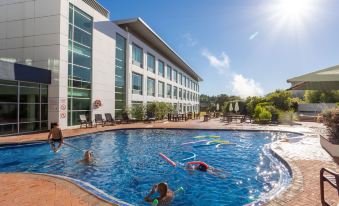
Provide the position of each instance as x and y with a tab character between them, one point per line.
59	57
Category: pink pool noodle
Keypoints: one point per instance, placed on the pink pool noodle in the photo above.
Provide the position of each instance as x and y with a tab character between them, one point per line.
168	159
194	142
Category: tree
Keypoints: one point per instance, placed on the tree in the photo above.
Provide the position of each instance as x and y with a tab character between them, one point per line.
321	96
281	99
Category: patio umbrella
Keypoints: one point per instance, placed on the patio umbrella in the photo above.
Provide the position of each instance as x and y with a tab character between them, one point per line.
236	107
217	106
231	107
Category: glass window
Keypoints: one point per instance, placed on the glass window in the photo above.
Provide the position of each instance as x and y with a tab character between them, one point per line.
78	48
29	95
180	78
175	75
120	76
8	113
136	83
184	94
83	20
82	60
44	95
169	91
184	80
161	68
161	89
150	87
75	117
44	111
169	73
81	104
137	55
180	93
8	129
82	37
82	74
28	127
175	92
8	93
29	112
150	62
81	93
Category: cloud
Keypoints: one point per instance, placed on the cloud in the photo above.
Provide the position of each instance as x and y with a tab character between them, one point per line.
253	35
245	87
190	41
222	63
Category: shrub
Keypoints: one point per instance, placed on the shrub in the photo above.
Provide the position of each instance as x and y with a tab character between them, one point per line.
138	111
258	109
265	116
332	124
288	117
159	110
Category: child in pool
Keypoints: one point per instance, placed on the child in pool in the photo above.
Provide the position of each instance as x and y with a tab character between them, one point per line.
166	195
88	157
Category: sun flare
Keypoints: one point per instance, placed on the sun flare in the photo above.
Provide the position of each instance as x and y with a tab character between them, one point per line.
294	9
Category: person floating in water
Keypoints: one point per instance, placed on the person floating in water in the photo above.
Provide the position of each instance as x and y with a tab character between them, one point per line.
166	195
56	135
88	157
203	167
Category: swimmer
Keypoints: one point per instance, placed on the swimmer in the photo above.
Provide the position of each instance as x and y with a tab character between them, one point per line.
88	157
166	195
203	167
56	135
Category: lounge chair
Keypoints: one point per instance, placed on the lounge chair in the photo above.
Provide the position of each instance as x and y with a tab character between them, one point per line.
150	118
98	120
109	119
126	118
84	121
332	178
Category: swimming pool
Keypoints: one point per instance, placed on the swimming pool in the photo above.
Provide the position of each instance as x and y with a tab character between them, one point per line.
127	164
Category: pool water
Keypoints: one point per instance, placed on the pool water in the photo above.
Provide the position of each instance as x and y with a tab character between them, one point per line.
127	164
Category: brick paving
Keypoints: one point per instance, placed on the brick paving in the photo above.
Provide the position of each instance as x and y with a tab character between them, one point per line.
31	189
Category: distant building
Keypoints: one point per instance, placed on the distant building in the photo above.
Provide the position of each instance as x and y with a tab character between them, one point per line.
73	60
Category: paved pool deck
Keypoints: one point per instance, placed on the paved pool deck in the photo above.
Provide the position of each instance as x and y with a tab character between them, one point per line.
305	157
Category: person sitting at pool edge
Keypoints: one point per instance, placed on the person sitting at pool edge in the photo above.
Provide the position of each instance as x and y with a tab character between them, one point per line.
56	135
166	195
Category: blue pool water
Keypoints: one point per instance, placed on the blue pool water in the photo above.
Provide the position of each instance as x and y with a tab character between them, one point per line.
127	164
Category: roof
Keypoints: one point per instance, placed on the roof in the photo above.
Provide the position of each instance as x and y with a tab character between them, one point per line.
327	79
140	29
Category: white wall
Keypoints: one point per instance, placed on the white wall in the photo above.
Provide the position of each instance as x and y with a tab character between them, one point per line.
30	34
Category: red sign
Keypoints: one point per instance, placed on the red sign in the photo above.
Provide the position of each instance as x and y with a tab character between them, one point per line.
63	115
63	107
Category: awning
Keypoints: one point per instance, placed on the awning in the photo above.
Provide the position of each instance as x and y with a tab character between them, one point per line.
20	72
325	79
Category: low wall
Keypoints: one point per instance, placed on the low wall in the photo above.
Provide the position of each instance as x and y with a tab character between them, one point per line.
332	149
315	107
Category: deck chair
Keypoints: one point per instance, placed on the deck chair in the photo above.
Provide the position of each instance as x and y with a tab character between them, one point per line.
84	121
332	178
126	118
98	120
109	119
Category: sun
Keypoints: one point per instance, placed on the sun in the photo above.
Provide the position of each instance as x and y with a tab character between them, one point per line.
291	16
294	10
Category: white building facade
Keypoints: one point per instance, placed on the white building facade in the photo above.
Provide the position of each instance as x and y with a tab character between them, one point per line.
89	59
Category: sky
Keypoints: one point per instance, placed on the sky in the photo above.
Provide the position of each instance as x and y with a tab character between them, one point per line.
243	47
